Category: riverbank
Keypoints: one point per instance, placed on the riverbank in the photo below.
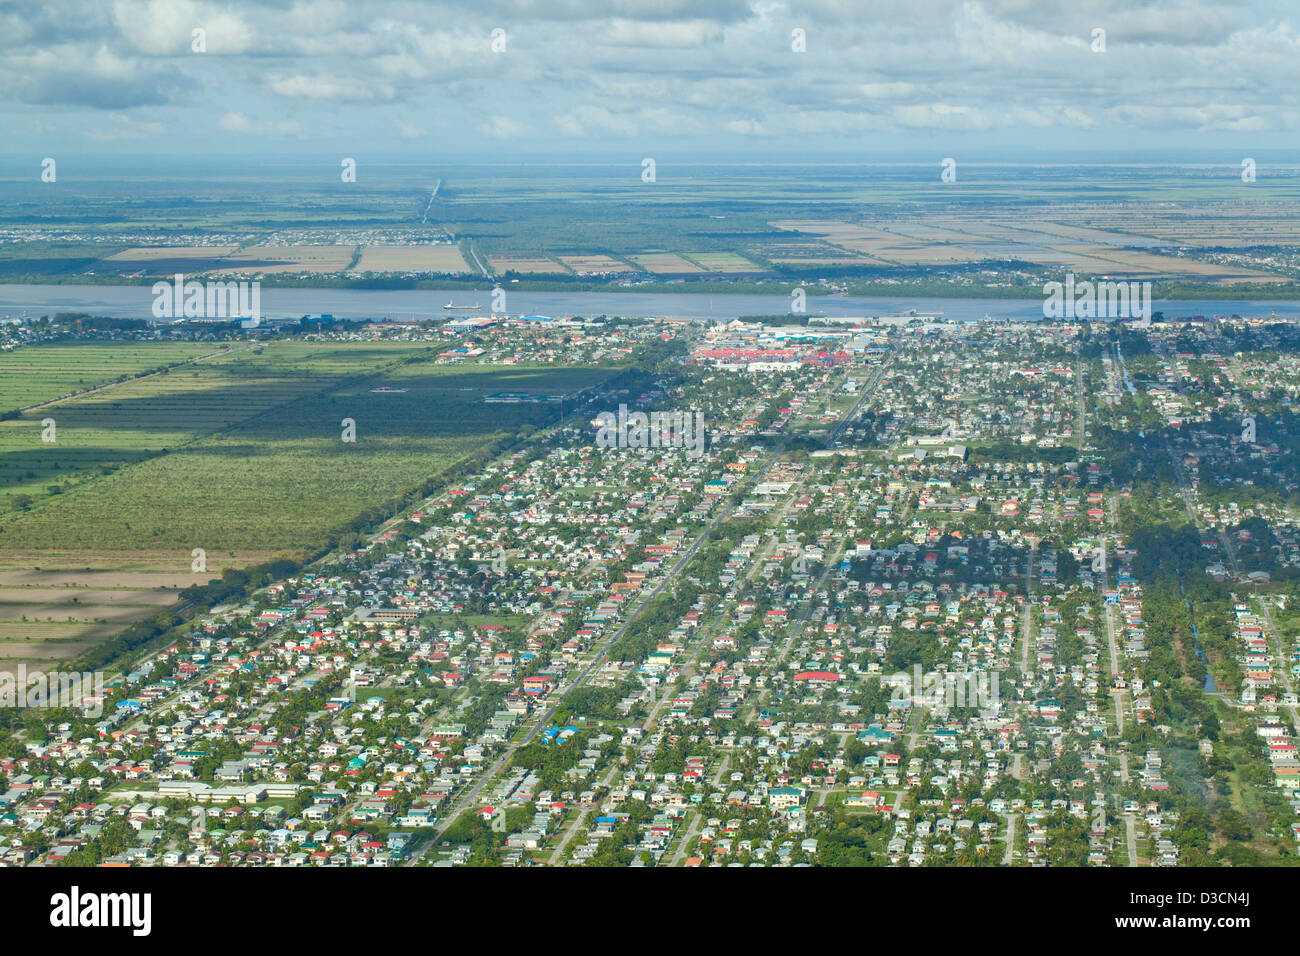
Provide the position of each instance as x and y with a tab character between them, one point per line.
1174	291
136	301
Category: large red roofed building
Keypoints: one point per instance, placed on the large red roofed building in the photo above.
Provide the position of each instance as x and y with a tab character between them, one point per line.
818	678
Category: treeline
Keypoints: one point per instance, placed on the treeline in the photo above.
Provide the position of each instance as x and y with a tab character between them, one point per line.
598	702
238	585
654	623
235	583
100	323
132	638
1015	451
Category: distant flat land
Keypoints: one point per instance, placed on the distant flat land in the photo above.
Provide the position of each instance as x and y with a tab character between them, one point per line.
666	263
584	265
164	261
411	259
1079	249
725	262
527	264
43	373
240	455
701	222
276	260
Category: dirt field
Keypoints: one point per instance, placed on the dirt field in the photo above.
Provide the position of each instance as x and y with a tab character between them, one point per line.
274	260
68	613
131	569
109	590
725	262
35	654
86	597
411	259
522	264
270	260
879	245
102	578
666	263
165	260
1087	249
595	265
840	261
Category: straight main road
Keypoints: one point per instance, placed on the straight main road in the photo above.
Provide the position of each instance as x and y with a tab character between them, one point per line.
468	797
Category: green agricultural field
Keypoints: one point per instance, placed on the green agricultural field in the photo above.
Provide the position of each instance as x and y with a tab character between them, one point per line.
245	453
42	373
99	432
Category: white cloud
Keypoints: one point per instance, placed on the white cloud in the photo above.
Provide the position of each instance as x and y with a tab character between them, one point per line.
166	27
717	72
681	34
235	122
119	126
336	89
502	127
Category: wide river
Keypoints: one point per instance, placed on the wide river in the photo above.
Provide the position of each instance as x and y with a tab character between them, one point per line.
137	301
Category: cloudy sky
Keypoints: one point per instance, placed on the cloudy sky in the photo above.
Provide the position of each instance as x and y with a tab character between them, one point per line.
104	76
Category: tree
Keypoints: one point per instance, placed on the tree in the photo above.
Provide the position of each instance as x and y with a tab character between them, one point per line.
1233	826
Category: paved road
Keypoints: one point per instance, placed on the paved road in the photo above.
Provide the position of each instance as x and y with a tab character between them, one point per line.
1082	422
697	817
857	407
917	713
470	795
478	262
1011	838
1117	695
703	636
1027	626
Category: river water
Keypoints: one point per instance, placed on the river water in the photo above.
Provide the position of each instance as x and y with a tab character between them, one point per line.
282	303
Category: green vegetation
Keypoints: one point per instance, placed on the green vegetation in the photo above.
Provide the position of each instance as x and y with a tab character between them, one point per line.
42	373
246	452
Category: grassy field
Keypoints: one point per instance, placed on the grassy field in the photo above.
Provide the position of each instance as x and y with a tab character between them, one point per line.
43	373
245	451
666	263
724	262
595	264
275	260
164	260
526	265
105	430
241	455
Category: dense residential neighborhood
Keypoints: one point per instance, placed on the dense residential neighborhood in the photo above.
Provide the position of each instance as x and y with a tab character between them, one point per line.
571	437
935	594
